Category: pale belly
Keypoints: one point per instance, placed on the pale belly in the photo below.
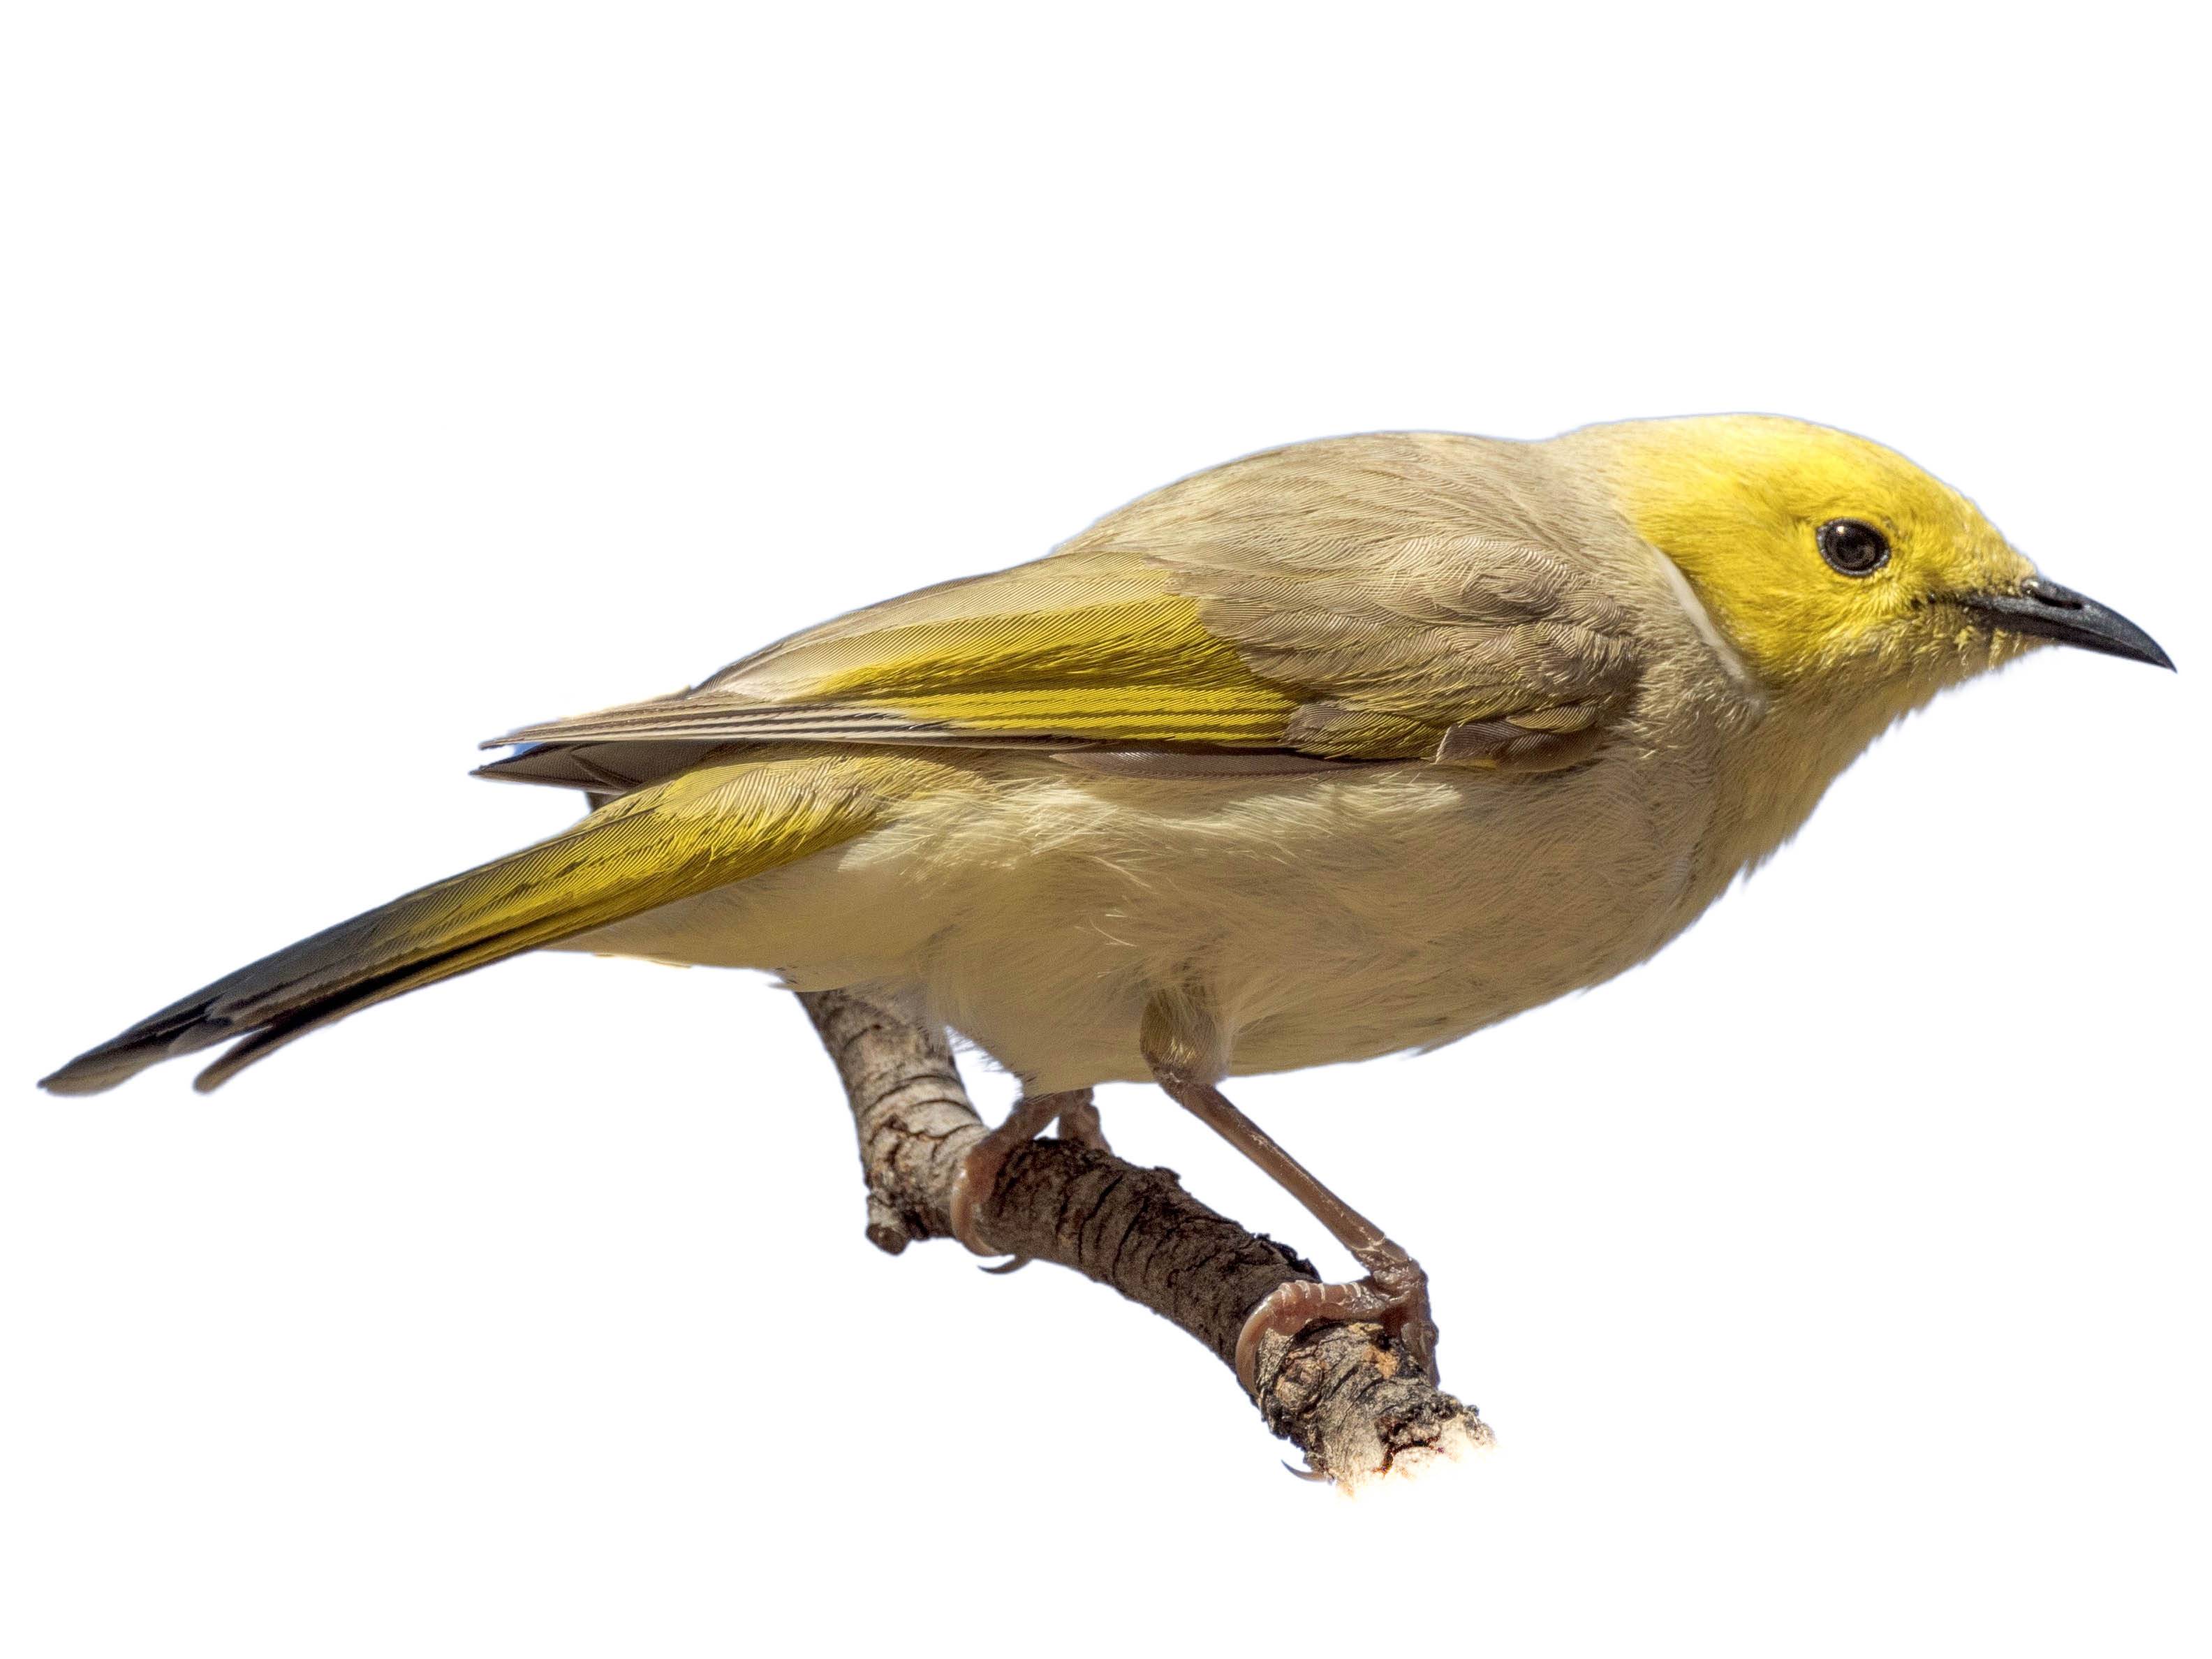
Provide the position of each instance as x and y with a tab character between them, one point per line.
1325	919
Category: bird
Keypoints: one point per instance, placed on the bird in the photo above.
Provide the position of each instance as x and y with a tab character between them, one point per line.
1349	747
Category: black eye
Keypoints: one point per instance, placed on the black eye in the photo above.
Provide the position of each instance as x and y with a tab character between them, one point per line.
1854	546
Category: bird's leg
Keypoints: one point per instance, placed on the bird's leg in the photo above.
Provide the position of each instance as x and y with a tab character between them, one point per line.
979	1169
1396	1292
1078	1122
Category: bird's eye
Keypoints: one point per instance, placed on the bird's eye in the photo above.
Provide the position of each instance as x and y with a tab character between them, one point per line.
1853	546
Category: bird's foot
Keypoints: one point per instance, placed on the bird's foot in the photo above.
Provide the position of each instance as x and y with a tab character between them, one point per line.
1394	1295
978	1176
1079	1122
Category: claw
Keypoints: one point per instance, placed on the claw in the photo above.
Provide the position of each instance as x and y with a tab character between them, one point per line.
1307	1474
1394	1295
1012	1264
979	1169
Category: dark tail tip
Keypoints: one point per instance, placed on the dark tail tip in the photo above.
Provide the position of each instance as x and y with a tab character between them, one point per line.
180	1029
98	1070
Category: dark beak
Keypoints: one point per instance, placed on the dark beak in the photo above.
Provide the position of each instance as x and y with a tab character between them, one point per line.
2045	611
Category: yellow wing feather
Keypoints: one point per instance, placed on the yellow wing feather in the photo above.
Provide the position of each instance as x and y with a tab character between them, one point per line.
1065	650
1132	671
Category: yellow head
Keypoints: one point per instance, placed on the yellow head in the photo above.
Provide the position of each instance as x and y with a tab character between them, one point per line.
1830	561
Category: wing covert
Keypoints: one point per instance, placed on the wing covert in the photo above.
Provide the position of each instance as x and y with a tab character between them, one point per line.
1398	645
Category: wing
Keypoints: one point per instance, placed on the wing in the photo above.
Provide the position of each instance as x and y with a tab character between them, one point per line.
1408	642
1073	648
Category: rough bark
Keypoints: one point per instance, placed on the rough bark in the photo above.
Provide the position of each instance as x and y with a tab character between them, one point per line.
1344	1395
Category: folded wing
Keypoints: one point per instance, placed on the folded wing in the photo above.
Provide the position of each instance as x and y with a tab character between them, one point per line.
1430	644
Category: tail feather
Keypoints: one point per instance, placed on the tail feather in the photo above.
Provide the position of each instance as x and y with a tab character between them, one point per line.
695	832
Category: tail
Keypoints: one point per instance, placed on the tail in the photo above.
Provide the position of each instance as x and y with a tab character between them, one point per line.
700	830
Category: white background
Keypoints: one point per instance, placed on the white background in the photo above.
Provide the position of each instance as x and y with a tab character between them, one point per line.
380	377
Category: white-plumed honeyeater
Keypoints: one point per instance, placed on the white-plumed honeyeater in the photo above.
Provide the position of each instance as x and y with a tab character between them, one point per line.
1353	746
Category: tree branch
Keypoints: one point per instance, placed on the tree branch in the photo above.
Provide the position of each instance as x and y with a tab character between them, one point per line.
1345	1395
